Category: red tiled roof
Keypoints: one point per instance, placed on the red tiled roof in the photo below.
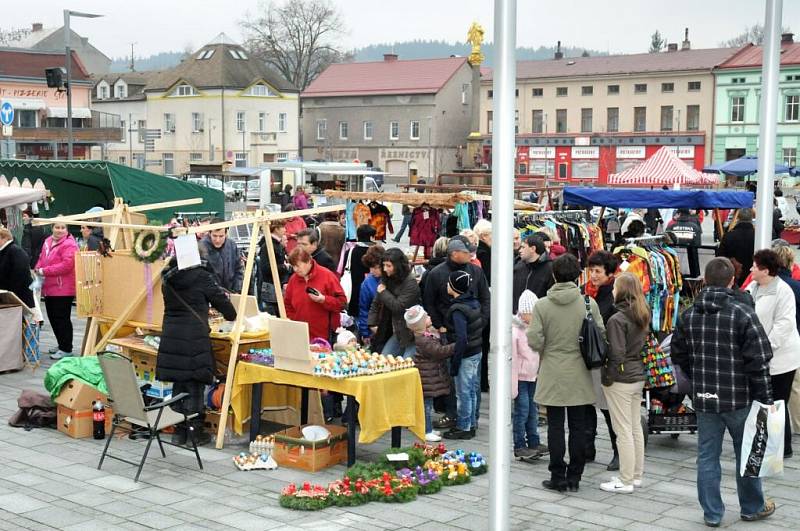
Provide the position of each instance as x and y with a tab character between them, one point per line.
622	64
31	64
751	56
422	76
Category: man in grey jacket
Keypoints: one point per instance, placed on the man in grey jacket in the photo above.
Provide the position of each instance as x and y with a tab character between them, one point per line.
223	259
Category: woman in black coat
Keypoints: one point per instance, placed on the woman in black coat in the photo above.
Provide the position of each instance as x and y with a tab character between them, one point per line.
366	239
184	354
15	275
397	292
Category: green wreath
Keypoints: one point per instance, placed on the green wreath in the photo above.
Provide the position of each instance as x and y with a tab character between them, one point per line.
304	503
149	245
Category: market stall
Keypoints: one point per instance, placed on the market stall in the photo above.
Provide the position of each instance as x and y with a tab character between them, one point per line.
663	168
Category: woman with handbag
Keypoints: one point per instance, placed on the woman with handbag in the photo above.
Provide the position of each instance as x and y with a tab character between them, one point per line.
623	380
564	385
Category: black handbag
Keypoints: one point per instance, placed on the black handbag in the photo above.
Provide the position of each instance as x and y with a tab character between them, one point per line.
593	347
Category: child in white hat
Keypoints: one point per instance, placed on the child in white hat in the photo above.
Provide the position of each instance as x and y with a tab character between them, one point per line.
524	372
431	362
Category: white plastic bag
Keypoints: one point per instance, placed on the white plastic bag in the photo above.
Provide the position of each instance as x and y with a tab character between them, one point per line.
762	443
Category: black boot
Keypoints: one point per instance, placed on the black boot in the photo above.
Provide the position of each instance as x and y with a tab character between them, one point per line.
614	464
197	430
179	435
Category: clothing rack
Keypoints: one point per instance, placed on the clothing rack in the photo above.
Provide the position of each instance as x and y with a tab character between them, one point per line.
438	200
658	238
562	214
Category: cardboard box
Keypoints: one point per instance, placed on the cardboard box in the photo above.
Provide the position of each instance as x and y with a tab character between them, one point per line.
144	365
289	343
211	422
78	396
157	389
77	423
293	451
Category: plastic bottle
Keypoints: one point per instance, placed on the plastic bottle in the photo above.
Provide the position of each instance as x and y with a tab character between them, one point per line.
98	419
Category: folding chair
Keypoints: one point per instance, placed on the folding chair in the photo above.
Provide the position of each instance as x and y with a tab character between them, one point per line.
124	394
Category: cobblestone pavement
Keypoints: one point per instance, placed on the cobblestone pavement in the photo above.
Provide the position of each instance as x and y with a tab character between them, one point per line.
48	480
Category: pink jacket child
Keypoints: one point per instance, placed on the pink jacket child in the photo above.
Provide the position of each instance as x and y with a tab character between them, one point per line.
524	360
57	262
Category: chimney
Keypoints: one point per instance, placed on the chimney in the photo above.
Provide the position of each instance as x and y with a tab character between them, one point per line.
36	26
787	38
686	45
672	47
390	57
559	54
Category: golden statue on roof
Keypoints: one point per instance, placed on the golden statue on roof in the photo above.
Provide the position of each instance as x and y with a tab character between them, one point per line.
475	38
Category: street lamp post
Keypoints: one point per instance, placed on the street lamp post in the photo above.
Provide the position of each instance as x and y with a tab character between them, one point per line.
429	118
68	59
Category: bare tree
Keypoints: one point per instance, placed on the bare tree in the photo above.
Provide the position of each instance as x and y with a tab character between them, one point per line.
299	38
657	42
9	36
753	34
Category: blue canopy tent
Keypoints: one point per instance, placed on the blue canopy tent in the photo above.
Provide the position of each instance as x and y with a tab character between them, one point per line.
742	167
638	198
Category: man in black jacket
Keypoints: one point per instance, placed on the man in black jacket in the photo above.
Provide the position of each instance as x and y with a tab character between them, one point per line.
15	274
309	240
223	258
738	244
32	238
722	347
534	271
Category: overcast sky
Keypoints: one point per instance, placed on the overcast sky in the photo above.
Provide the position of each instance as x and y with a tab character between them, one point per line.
622	26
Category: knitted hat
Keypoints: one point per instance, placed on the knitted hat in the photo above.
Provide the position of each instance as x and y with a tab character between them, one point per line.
415	318
526	302
459	281
456	245
344	336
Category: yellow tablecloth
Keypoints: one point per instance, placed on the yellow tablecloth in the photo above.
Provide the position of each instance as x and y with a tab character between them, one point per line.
385	400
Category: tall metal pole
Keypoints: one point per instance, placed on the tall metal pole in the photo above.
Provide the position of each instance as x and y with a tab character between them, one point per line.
503	157
69	83
767	128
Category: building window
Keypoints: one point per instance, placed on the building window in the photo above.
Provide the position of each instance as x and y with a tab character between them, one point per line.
262	122
122	159
240	121
282	122
259	90
169	163
103	91
586	120
585	169
241	160
738	80
792	108
587	91
490	94
195	156
561	91
184	90
667	87
612	119
124	131
666	118
693	86
640	88
516	122
322	129
790	157
343	130
561	120
516	93
367	130
414	130
613	90
489	122
639	119
197	122
537	120
169	122
537	92
142	128
282	156
394	130
692	117
737	109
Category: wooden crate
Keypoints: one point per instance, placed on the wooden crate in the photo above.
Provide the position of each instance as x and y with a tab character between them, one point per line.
293	451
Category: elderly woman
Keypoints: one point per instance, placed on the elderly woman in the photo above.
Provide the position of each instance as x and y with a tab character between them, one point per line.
786	273
564	385
775	307
57	265
397	292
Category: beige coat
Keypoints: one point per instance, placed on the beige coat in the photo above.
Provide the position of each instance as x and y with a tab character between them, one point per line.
554	330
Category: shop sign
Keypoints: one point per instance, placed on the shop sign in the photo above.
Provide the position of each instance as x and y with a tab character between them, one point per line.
347	154
591	152
542	152
582	141
403	154
630	152
683	152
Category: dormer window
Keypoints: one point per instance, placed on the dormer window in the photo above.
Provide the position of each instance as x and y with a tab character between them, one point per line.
102	91
237	54
184	90
206	54
260	90
121	90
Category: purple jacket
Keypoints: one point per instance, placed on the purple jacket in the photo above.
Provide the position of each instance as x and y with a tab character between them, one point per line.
57	260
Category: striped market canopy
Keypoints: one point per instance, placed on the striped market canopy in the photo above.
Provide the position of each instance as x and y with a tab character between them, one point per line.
664	167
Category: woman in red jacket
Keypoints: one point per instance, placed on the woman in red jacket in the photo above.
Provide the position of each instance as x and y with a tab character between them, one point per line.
313	295
56	265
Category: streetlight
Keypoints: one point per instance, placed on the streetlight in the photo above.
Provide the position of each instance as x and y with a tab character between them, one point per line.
67	15
430	119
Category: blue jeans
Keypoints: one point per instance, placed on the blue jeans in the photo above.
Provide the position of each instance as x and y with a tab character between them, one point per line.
406	223
428	401
394	348
710	431
468	388
526	417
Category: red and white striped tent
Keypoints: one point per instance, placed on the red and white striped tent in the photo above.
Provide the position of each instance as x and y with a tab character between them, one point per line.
664	167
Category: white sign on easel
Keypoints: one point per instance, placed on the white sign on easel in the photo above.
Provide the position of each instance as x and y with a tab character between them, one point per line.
186	251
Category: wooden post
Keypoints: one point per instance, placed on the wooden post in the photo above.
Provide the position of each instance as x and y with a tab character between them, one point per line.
273	266
237	333
718	221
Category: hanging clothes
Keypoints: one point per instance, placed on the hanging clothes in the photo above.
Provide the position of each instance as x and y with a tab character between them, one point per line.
425	225
349	222
361	214
380	218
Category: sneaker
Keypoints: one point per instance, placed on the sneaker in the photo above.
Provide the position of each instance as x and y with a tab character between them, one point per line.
525	453
637	483
710	523
769	508
437	432
455	433
60	354
615	485
444	422
432	437
52	350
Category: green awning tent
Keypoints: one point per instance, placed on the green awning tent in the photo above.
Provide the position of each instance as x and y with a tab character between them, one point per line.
78	185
